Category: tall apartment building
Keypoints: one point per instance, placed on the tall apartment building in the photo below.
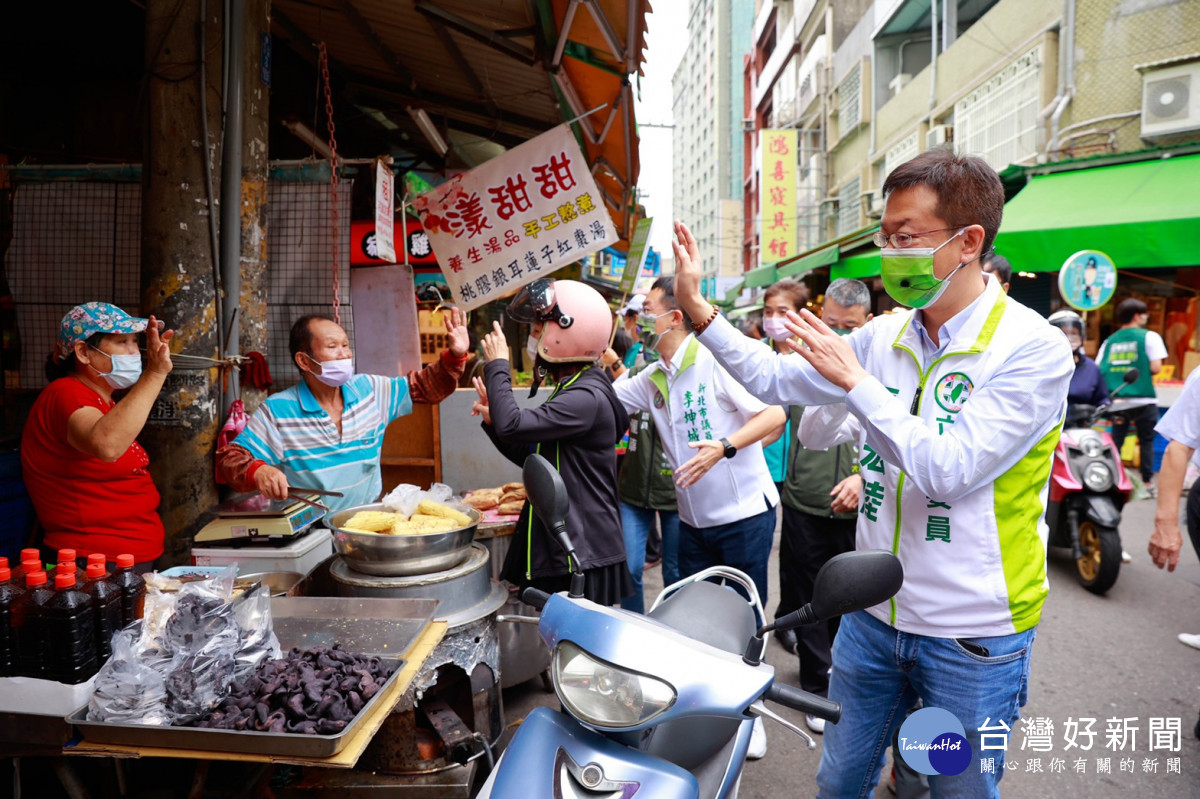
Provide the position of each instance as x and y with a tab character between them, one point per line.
707	139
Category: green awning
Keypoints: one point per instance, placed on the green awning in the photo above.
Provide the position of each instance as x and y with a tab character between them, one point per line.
1143	214
742	310
858	265
801	266
733	291
763	276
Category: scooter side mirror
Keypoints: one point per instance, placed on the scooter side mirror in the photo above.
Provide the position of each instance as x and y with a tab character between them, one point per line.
546	491
855	580
1131	375
547	495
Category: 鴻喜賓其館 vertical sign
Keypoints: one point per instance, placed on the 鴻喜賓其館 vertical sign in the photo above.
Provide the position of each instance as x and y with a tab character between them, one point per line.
777	196
385	211
518	217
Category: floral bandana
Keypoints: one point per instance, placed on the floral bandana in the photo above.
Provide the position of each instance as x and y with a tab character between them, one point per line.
83	321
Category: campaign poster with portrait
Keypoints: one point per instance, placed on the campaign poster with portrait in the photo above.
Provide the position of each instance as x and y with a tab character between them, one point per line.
1087	280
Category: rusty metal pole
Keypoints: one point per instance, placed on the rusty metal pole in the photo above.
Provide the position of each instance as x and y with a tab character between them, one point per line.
178	274
256	72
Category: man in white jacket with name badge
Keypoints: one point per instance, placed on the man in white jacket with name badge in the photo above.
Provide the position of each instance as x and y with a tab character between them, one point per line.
960	403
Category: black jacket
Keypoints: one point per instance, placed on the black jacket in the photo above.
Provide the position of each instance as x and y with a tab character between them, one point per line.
577	430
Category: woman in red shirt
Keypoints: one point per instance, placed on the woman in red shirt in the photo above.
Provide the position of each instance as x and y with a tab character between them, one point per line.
85	471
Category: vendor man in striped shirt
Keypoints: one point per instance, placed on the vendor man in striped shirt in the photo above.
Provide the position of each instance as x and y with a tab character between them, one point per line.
327	431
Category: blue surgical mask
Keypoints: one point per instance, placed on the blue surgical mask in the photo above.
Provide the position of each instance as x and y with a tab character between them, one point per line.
126	369
646	325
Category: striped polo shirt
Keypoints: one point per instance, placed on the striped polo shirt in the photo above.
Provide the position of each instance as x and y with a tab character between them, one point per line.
292	432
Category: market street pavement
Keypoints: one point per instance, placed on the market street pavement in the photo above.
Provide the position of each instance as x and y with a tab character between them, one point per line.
1106	657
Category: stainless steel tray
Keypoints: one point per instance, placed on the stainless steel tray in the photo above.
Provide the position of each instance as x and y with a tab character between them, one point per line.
252	742
384	627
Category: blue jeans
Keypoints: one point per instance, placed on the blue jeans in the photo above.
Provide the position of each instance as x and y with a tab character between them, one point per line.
636	523
744	545
879	673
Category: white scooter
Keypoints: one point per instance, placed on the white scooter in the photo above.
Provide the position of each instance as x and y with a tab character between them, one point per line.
663	705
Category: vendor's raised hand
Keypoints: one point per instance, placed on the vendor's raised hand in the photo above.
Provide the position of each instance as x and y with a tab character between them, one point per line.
495	346
456	331
271	482
709	453
158	348
846	494
687	275
480	407
830	354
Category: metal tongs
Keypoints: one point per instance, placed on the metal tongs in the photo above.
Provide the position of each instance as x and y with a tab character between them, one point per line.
298	492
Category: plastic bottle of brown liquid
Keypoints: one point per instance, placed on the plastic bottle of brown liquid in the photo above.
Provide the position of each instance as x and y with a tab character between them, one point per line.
70	632
31	640
132	588
106	608
10	595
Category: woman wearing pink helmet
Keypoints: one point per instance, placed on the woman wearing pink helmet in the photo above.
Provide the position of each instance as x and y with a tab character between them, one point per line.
576	429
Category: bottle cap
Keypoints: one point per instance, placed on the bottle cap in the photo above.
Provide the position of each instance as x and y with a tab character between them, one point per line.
3	562
5	574
124	561
32	553
95	571
31	565
66	567
97	557
64	581
34	579
66	554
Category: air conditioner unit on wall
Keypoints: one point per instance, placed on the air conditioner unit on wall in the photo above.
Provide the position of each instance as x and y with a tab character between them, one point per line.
1171	100
939	135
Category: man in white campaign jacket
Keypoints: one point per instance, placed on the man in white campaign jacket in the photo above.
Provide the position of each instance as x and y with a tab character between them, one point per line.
960	403
710	428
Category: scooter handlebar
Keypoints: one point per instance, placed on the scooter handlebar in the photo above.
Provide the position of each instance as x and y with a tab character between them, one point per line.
535	598
804	701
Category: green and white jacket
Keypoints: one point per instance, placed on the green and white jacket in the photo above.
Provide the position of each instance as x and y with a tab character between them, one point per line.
955	455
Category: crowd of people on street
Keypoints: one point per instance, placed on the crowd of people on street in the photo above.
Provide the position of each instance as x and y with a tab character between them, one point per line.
844	429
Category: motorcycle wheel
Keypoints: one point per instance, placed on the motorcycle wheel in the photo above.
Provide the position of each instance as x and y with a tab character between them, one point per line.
1100	564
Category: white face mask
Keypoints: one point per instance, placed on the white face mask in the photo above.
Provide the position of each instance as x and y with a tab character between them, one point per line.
334	373
531	347
126	369
775	329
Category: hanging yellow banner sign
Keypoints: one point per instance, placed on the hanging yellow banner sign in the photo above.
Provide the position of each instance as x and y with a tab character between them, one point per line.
777	196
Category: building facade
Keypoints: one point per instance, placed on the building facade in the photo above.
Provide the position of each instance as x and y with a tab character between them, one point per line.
707	89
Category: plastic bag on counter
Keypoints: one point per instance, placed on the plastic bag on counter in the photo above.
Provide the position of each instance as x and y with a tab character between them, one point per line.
405	497
258	641
126	689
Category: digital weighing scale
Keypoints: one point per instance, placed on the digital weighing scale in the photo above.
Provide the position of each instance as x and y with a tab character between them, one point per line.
254	520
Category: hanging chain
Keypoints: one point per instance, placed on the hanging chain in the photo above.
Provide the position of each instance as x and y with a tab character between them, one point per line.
333	184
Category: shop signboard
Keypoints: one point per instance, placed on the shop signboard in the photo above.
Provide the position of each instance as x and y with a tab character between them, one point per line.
637	255
777	195
516	218
364	249
385	210
1087	280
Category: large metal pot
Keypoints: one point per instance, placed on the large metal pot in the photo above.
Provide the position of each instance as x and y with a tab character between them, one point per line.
400	555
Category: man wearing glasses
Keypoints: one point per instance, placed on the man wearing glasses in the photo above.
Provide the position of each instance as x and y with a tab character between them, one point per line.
950	486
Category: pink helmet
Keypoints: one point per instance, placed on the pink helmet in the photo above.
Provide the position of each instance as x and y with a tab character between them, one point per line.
578	322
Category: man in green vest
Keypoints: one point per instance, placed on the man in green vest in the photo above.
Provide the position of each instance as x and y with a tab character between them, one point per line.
1134	346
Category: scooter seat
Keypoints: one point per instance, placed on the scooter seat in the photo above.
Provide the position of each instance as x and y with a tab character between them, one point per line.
719	617
711	613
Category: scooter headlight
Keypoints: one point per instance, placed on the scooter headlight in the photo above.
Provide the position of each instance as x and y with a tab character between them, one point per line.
1097	476
604	695
1092	446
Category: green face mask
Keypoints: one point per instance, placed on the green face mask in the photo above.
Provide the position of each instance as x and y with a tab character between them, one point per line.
842	331
908	274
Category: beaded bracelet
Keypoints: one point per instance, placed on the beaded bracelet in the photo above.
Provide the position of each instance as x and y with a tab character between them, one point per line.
700	328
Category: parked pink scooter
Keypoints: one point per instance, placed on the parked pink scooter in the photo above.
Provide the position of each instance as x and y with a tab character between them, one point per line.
1088	489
